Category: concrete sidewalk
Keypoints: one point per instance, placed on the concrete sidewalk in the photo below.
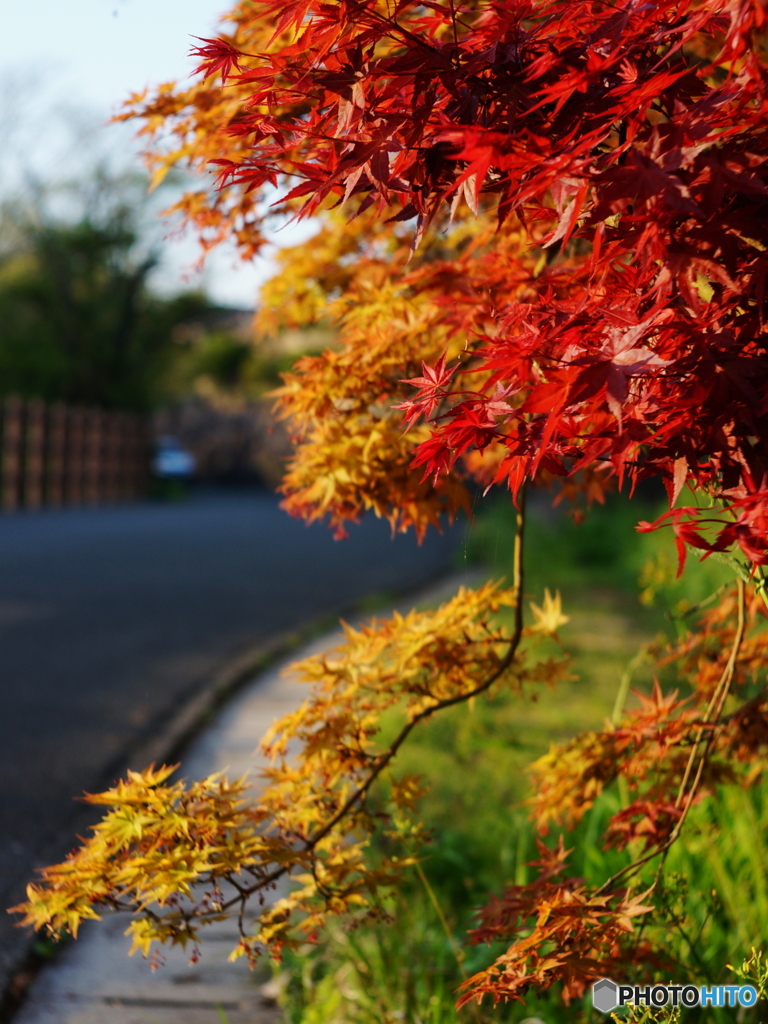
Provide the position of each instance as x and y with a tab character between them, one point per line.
93	981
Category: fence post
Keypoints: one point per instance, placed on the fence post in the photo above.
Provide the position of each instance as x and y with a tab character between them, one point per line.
13	410
92	456
74	461
111	448
122	455
57	451
139	446
34	449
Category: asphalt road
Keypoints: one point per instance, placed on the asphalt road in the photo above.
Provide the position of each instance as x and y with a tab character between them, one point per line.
110	618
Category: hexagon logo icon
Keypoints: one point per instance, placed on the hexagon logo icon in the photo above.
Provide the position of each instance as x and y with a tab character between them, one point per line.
605	995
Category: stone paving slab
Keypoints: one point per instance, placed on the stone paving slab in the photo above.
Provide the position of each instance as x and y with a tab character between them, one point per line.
93	981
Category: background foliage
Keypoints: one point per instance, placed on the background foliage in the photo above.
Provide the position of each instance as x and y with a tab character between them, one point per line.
80	321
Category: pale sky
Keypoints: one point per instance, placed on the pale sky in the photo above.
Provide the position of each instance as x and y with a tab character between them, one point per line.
66	65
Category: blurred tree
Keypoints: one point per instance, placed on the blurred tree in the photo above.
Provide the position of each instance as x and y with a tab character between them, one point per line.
225	365
79	319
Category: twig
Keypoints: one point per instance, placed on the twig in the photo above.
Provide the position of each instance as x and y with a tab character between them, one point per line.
714	710
700	604
388	755
711	717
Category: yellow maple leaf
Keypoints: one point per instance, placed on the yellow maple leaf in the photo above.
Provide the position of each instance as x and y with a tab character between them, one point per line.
549	617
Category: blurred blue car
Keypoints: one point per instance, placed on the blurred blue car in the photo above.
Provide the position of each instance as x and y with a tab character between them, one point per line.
171	461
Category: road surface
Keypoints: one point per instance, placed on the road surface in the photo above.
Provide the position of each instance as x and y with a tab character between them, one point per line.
111	618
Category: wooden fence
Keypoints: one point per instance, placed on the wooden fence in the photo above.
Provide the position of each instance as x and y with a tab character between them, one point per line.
68	455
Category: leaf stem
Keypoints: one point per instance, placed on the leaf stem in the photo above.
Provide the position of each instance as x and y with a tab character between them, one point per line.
711	718
626	679
457	952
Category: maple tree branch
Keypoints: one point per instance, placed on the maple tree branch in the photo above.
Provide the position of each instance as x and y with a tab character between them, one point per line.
388	755
384	759
699	604
453	22
710	720
375	17
714	710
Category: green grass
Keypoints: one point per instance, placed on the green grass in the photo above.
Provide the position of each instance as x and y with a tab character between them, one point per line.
404	968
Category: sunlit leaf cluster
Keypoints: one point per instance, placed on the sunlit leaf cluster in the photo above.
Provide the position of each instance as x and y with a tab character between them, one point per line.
180	855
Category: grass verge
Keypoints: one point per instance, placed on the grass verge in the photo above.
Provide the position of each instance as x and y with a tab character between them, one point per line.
620	591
